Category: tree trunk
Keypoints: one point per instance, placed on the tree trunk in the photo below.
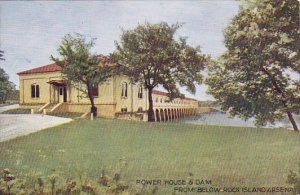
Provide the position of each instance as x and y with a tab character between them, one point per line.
284	101
91	97
5	98
151	117
292	120
93	108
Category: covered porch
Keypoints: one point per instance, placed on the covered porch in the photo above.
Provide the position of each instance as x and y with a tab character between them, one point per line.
59	91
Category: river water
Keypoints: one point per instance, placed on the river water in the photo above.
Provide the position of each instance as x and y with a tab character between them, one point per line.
224	119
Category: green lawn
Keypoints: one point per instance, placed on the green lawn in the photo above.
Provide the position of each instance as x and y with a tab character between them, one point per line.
18	111
10	102
28	111
226	155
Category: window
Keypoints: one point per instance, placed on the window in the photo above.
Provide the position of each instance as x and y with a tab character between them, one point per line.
124	89
95	90
140	92
60	91
123	109
35	91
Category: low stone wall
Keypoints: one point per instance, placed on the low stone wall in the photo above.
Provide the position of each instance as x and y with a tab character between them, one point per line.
35	107
62	108
106	110
132	116
103	110
80	108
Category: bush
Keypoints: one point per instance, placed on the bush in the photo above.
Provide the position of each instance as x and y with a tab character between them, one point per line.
56	185
294	179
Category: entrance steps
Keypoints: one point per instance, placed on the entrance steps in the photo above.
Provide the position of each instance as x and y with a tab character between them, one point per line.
43	107
50	107
54	107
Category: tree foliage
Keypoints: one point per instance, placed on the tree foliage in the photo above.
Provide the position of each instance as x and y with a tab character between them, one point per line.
258	75
7	88
80	66
151	55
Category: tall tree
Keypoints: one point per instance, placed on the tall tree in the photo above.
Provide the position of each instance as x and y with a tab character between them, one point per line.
80	66
6	87
258	75
151	55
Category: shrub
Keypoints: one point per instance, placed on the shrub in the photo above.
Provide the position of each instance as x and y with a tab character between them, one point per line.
294	179
56	185
7	181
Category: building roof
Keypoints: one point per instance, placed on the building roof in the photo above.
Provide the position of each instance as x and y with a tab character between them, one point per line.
156	92
42	69
105	62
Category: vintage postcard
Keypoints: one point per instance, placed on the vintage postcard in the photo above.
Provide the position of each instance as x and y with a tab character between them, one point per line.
150	97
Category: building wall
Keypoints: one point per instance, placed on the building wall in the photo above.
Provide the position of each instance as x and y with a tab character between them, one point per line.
105	92
132	102
108	103
110	93
40	79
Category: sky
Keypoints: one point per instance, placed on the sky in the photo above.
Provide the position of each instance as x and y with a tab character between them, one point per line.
31	31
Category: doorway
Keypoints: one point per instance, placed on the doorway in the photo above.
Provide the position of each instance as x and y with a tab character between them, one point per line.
62	94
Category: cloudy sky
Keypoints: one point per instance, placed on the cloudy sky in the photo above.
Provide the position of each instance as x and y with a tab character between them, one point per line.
31	31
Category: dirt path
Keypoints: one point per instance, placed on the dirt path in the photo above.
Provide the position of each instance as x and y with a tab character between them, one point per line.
15	125
4	108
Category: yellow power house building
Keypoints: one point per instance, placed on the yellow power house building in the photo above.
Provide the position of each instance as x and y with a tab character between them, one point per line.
45	88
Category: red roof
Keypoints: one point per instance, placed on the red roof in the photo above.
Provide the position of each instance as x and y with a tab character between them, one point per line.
105	61
156	92
42	69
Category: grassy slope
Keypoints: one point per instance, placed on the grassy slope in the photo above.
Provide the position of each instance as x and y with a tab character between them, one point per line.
28	111
17	111
226	155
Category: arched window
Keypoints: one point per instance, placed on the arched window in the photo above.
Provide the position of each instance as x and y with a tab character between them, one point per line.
35	91
140	92
124	89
